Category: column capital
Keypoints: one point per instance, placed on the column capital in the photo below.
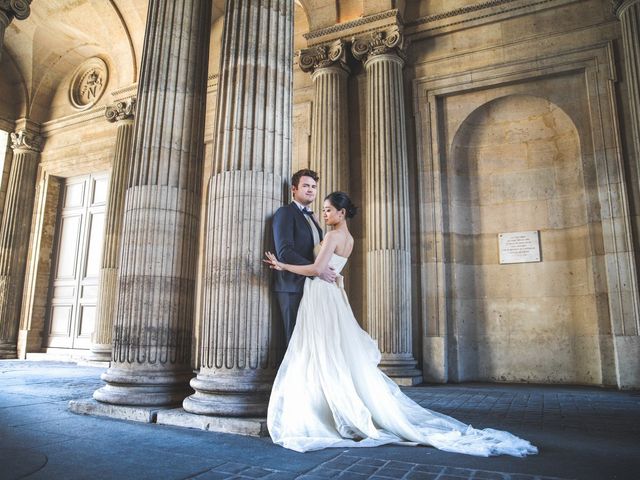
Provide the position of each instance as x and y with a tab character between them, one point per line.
620	6
121	110
23	139
323	56
19	9
386	41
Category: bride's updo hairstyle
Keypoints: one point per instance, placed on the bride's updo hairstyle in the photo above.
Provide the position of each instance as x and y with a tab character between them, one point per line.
341	200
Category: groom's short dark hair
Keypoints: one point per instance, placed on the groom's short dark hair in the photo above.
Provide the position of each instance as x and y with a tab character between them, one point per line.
305	172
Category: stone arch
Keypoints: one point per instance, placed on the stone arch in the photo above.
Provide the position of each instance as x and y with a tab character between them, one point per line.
515	165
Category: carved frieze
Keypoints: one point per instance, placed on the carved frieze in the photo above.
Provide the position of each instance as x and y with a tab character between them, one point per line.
26	140
322	56
380	42
18	9
122	110
88	83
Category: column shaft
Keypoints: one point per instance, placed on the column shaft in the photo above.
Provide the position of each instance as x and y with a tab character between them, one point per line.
387	234
329	129
14	236
241	341
122	112
629	14
156	281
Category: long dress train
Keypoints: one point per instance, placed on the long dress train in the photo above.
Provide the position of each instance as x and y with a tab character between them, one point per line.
329	391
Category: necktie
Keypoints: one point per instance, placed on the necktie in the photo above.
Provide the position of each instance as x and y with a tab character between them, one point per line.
308	214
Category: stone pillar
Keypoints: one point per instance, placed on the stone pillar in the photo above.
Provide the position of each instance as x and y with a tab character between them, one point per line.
151	358
626	334
387	230
628	11
122	112
329	128
14	234
8	10
241	333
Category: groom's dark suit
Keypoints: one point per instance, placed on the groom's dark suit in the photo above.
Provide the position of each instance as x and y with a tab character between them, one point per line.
294	245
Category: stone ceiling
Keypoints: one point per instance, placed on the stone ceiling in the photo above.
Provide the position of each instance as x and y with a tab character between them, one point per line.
41	52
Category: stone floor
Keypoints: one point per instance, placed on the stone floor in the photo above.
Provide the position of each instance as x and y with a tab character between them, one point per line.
582	433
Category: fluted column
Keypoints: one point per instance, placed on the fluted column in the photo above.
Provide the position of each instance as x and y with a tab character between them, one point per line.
387	235
628	11
122	113
14	234
329	129
10	9
153	324
241	336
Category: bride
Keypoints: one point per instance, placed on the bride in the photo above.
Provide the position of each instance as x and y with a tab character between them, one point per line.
329	391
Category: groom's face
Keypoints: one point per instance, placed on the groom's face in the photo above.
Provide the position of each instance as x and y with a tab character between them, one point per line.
305	192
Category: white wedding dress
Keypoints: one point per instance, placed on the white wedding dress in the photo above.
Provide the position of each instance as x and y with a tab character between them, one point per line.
329	391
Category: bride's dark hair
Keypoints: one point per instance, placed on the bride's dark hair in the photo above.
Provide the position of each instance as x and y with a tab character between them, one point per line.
341	200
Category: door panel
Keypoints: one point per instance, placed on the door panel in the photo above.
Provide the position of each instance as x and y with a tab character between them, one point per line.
74	286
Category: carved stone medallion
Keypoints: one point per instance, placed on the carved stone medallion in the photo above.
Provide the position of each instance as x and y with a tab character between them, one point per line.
88	83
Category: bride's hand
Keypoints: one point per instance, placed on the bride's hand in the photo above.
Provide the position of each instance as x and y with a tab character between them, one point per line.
272	261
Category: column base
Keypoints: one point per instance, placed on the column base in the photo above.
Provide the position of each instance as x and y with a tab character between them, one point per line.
230	395
8	351
143	388
99	353
401	369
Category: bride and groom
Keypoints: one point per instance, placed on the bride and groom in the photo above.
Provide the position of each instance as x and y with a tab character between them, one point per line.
329	391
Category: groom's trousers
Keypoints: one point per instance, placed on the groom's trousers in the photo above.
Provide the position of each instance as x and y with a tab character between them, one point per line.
289	303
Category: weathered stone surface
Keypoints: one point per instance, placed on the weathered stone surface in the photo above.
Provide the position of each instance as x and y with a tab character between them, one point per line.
122	113
121	412
241	343
151	360
255	427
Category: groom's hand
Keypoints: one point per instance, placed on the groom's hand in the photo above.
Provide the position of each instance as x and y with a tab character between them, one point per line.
329	275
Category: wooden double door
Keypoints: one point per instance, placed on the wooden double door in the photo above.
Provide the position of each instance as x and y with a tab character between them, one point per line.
76	264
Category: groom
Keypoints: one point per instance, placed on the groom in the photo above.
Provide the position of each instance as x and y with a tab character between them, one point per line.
295	233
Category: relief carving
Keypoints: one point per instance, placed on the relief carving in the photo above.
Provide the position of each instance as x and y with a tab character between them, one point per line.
122	110
88	83
26	140
380	42
323	56
18	9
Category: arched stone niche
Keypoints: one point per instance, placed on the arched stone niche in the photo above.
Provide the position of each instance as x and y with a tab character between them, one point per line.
515	165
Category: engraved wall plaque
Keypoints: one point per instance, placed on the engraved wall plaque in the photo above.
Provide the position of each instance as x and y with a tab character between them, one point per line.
519	247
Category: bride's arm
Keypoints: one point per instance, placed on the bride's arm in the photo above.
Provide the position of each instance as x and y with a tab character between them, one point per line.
316	268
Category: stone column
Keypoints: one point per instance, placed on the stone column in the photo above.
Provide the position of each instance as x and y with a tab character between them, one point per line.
241	333
122	112
329	128
628	11
151	358
8	10
14	234
387	231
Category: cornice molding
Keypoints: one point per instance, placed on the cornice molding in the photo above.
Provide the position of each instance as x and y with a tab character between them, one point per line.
73	120
352	24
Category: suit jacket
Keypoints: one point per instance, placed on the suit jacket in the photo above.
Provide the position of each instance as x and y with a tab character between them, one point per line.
293	240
